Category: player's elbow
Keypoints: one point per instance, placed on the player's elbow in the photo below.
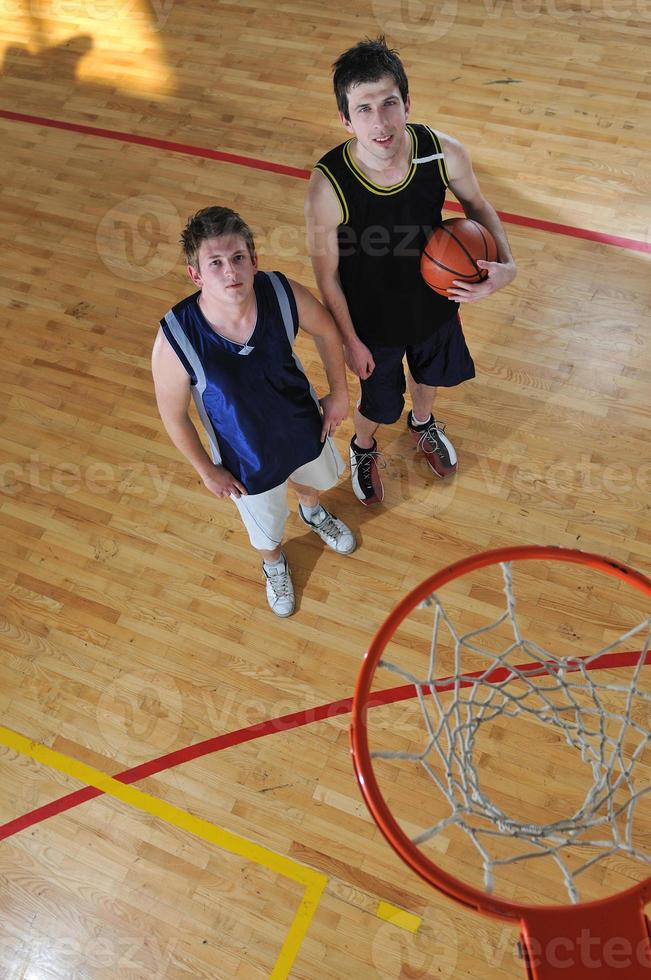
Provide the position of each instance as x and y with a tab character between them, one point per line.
475	206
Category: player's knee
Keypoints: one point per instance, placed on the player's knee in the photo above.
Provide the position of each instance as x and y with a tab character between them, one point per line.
385	414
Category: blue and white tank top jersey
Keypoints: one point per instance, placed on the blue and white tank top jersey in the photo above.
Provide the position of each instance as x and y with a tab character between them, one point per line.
261	416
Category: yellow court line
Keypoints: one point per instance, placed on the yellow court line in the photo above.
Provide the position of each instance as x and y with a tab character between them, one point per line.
398	917
313	881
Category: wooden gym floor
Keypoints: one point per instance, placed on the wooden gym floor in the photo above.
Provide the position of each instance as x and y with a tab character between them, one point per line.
134	622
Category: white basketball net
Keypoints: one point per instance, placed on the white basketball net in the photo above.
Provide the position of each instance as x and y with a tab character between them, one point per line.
453	711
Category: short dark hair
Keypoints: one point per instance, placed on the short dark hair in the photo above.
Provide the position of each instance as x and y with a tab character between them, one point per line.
367	61
210	223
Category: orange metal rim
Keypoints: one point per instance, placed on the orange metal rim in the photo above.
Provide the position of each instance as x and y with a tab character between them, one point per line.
452	887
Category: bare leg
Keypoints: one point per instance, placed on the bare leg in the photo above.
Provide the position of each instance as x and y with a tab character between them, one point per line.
422	398
307	496
364	430
270	556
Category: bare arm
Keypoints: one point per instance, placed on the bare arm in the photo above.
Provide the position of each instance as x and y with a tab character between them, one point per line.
465	187
316	321
172	386
322	218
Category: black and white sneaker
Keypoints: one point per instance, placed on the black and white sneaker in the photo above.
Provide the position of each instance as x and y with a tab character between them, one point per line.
364	474
331	530
431	440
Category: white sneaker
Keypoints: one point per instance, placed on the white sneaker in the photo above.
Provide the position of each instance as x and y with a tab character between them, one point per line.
280	591
331	530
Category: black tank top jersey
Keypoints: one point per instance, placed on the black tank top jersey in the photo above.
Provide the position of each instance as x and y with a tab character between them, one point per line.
381	236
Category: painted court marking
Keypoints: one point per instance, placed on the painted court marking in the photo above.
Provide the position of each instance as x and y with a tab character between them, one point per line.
271	726
313	881
118	787
398	917
553	227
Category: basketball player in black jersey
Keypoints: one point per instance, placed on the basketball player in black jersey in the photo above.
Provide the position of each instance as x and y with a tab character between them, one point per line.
371	204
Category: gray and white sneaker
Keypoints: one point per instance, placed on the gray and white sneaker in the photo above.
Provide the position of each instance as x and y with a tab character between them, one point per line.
331	530
280	590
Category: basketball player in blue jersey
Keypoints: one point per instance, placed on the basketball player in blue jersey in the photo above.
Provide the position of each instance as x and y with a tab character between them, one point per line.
230	346
371	204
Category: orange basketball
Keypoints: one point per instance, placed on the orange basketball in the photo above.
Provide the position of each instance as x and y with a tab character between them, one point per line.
452	252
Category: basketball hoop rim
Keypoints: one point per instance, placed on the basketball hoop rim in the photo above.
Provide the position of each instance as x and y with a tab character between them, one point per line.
465	894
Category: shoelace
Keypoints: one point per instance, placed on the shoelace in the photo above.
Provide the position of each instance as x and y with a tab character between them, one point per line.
330	527
364	459
279	581
429	435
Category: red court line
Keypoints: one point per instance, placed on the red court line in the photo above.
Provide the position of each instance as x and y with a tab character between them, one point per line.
284	723
554	227
558	229
152	141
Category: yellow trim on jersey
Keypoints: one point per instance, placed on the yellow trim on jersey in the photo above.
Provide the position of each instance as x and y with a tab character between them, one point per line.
443	170
377	188
338	192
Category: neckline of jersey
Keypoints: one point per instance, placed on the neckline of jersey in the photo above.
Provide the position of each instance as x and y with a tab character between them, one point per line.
215	334
379	188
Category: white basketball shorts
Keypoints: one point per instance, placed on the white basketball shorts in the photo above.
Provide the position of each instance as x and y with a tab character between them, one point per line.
265	514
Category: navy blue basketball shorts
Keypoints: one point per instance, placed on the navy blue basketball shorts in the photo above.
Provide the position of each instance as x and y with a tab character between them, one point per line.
443	360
